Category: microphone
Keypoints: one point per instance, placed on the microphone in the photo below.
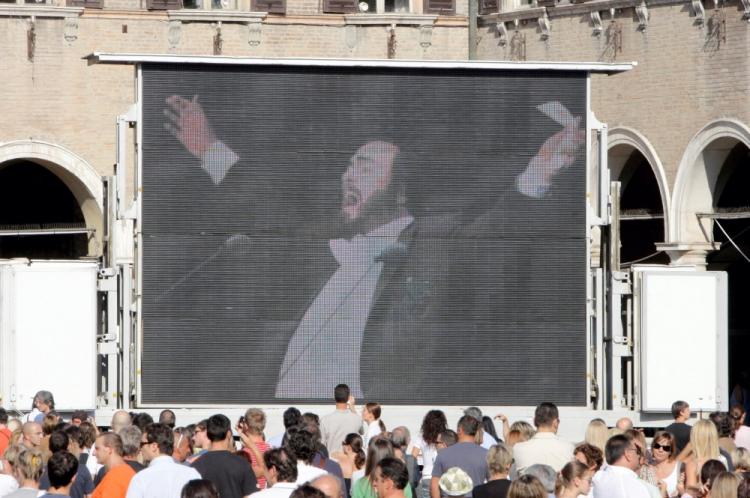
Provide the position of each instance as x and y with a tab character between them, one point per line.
236	241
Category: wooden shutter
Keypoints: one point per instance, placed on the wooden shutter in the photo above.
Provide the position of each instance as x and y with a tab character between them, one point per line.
488	6
270	6
89	4
340	6
163	4
440	7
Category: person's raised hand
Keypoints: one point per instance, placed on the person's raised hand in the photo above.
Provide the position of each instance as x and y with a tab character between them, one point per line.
187	122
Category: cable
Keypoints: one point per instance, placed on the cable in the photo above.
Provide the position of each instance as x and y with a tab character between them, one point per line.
641	259
731	241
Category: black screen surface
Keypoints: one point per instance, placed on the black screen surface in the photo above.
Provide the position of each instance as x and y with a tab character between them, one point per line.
416	233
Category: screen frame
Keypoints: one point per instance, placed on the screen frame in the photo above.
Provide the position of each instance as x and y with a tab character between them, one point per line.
591	121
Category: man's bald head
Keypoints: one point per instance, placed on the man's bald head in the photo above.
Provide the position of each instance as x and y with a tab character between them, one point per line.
120	420
624	424
329	485
32	434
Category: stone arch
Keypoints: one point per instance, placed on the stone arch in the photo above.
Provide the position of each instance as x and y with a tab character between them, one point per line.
624	136
84	182
696	182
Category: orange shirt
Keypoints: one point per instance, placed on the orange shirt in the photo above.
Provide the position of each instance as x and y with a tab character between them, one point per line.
115	482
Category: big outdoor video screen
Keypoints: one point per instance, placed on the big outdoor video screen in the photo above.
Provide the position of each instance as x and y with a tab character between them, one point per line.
416	233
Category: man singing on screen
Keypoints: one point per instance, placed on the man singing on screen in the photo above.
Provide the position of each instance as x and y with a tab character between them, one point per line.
393	291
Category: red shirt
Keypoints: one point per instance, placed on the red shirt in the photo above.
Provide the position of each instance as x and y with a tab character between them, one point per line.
262	448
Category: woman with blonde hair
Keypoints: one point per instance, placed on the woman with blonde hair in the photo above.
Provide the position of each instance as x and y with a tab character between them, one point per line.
8	461
704	441
28	472
573	480
526	429
723	486
741	461
597	433
527	486
250	429
499	460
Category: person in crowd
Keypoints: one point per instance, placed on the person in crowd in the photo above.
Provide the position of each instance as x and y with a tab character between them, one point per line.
344	420
597	433
120	420
704	441
199	488
447	439
743	490
725	428
425	448
200	442
401	438
83	484
8	461
292	417
665	466
465	454
514	437
574	480
527	487
455	483
371	416
141	420
163	478
624	424
741	431
62	469
589	455
545	447
5	432
321	458
131	437
89	433
282	474
546	475
499	460
78	417
391	478
168	418
741	460
44	403
619	478
183	444
679	429
32	435
307	491
724	485
302	445
379	449
489	428
109	453
251	429
482	439
351	459
330	486
28	471
526	429
232	475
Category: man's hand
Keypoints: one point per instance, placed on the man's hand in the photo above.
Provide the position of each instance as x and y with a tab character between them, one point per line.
188	123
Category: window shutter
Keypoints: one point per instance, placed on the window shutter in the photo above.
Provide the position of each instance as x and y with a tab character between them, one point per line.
163	4
89	4
445	7
270	6
488	6
339	6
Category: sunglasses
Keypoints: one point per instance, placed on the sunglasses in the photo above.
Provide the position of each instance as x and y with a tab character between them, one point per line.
665	447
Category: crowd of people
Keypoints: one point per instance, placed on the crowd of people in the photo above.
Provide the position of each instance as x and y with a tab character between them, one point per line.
351	453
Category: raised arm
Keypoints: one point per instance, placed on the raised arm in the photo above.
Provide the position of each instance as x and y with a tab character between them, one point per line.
187	122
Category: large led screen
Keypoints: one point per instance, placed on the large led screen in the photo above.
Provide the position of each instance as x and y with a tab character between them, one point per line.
416	233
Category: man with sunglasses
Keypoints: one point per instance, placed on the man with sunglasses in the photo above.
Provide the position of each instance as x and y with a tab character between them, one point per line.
163	478
619	478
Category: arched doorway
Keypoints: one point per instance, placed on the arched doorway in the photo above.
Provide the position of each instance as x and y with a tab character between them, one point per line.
39	216
643	197
731	228
50	203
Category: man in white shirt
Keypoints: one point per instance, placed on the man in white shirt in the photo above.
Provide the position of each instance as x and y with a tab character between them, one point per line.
335	426
301	445
282	473
545	447
163	478
618	479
